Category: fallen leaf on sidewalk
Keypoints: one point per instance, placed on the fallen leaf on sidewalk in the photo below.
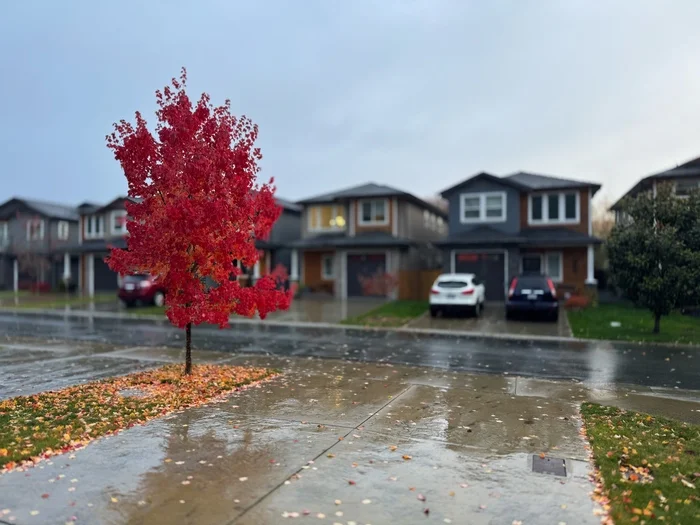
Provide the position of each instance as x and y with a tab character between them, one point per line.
406	457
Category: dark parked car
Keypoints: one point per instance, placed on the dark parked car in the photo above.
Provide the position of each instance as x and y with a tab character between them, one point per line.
141	289
532	294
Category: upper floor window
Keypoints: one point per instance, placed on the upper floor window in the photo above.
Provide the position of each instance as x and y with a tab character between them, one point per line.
683	187
374	212
441	225
483	207
35	229
117	220
4	233
554	208
94	226
63	230
326	217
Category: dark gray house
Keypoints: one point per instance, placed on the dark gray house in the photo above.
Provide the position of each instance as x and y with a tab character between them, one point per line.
684	178
502	226
33	235
359	232
105	226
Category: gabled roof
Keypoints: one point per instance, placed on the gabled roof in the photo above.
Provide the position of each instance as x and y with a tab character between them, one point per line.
687	169
527	181
371	190
49	210
288	205
534	181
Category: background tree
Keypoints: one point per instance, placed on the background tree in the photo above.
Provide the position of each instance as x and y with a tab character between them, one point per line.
33	266
654	257
196	208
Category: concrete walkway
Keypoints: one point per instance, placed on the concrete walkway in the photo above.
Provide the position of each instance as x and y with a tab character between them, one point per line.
342	441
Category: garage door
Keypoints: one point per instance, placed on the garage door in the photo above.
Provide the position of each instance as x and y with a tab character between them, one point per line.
489	267
105	279
364	266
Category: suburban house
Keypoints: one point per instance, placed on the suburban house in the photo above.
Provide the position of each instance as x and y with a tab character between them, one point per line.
104	226
502	226
684	178
352	236
32	236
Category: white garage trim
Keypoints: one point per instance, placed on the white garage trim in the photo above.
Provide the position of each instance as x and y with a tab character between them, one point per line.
453	262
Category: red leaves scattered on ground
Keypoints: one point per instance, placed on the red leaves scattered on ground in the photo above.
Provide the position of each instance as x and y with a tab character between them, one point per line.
42	425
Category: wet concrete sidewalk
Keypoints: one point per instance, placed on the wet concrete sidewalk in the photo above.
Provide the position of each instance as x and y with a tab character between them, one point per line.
342	441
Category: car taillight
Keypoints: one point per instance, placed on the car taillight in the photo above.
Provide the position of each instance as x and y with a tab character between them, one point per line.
469	291
513	284
552	289
434	291
145	284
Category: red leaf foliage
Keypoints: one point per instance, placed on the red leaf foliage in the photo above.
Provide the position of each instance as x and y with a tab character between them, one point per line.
196	207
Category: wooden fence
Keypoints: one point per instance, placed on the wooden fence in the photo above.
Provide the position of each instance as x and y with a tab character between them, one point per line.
415	284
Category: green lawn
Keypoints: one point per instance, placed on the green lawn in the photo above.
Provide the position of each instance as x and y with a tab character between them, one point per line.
54	300
395	313
635	325
649	466
10	294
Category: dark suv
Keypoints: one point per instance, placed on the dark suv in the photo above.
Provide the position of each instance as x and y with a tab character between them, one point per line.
534	294
141	289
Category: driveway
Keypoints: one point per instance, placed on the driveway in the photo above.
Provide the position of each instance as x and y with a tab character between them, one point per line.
493	321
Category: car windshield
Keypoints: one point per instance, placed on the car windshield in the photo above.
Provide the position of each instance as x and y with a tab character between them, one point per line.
531	283
452	284
135	279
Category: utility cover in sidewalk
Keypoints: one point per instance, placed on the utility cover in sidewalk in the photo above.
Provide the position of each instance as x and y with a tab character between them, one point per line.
547	465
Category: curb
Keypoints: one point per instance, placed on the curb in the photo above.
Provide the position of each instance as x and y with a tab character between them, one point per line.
86	314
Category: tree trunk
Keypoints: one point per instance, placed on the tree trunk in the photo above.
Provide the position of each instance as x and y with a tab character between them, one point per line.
657	323
188	349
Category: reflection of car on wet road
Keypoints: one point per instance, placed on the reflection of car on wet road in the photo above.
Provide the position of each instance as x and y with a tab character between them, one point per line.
455	292
141	289
532	294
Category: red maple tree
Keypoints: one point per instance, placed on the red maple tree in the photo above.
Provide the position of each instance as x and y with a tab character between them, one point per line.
195	208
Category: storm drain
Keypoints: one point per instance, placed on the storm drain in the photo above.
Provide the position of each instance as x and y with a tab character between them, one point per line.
548	465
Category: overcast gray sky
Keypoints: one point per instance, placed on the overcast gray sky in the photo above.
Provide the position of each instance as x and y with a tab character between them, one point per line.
418	94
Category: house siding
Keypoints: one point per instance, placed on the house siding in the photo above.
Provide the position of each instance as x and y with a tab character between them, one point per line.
581	226
414	224
513	207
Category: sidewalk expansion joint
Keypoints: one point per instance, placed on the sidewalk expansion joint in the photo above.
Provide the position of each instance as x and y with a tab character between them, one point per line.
321	454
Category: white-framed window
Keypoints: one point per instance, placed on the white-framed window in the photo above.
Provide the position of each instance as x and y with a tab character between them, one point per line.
117	222
426	218
35	229
326	217
63	230
683	187
327	267
94	226
4	233
547	263
554	208
441	225
374	212
483	207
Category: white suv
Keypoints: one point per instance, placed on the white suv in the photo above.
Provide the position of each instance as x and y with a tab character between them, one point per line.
457	291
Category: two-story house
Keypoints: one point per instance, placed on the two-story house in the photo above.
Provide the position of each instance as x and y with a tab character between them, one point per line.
685	178
33	235
502	226
105	226
361	232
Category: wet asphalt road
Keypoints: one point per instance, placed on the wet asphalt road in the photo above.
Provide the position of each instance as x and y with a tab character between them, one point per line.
597	363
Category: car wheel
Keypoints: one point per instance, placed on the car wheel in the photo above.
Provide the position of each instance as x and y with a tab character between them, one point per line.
554	317
477	310
509	315
159	299
433	311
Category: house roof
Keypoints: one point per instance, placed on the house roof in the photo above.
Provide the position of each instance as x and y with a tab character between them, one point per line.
371	190
527	181
687	169
481	235
288	205
557	237
50	210
364	240
534	181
